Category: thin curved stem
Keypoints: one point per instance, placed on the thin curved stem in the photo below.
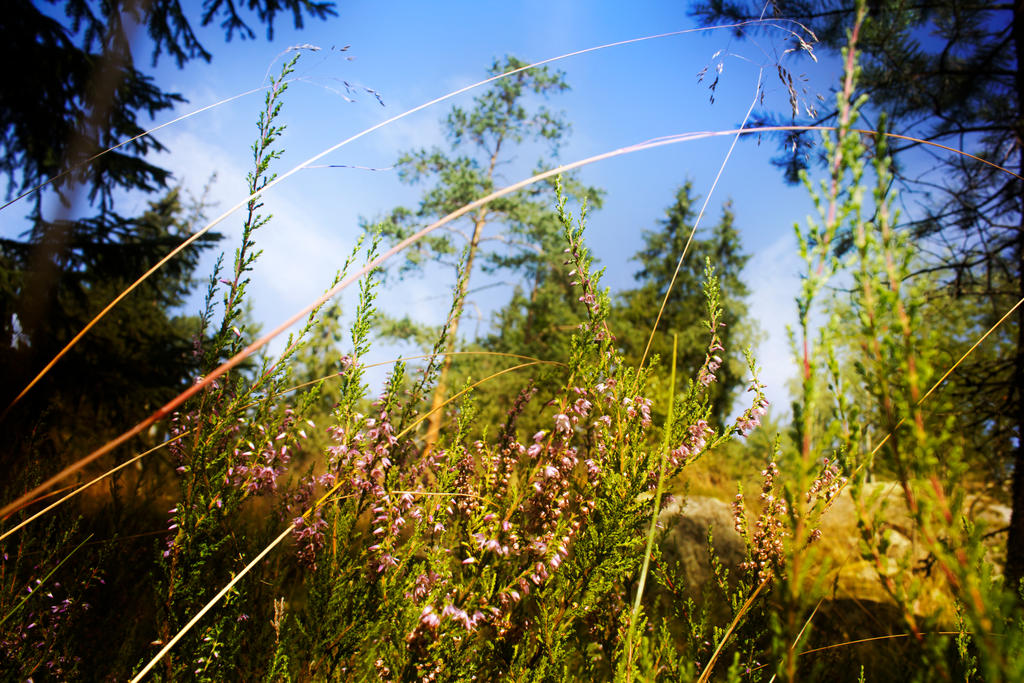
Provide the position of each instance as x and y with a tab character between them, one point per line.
312	160
238	358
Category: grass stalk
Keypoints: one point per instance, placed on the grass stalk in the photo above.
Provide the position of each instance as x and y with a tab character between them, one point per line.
709	667
317	157
700	215
655	512
238	358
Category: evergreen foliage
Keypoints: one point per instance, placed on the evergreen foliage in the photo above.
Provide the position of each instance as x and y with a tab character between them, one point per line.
483	138
947	72
683	311
75	96
133	369
77	91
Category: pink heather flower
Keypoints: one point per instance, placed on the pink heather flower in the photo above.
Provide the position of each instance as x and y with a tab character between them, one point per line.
534	450
582	407
746	425
539	436
429	618
562	423
385	562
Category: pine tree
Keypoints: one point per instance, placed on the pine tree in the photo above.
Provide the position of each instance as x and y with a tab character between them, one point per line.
684	312
131	362
483	138
77	92
950	72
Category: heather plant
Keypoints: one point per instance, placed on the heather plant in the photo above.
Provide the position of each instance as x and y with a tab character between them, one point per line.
227	453
46	610
238	440
888	363
498	553
529	547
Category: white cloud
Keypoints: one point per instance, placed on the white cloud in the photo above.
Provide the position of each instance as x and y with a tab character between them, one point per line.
300	253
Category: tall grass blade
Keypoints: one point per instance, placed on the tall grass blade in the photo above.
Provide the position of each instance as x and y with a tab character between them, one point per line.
237	359
656	510
706	673
700	215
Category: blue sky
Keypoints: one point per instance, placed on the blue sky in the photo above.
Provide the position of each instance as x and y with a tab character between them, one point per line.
411	52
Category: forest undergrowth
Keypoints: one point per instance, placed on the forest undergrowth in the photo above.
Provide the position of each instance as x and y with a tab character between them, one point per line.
513	525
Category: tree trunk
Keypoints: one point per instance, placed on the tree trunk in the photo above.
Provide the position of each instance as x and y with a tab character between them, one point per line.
441	390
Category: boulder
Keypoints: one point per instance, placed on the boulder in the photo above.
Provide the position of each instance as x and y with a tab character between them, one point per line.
850	575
